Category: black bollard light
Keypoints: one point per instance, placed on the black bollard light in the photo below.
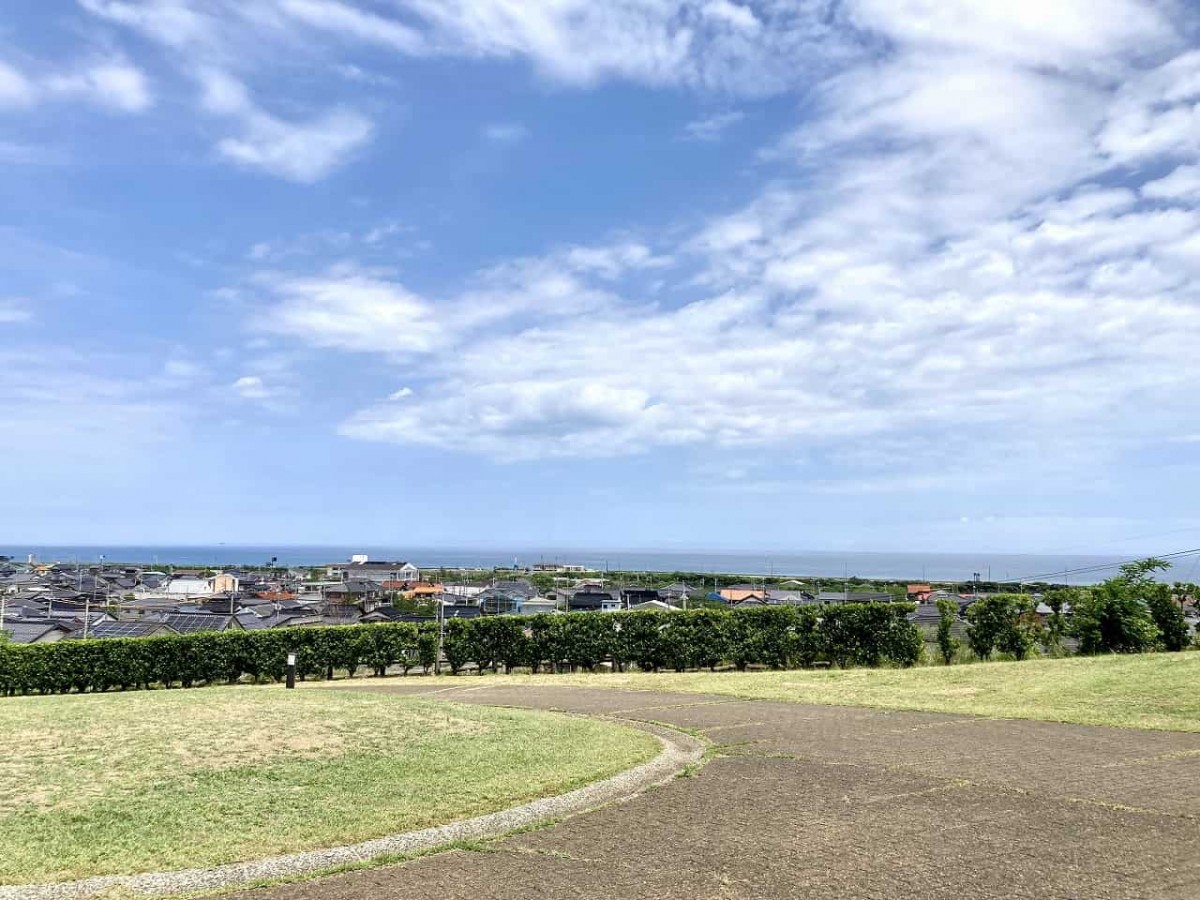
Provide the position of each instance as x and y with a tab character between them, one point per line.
291	672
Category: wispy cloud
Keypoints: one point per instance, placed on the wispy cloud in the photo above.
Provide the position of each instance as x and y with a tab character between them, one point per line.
111	83
712	128
948	263
299	151
505	132
14	310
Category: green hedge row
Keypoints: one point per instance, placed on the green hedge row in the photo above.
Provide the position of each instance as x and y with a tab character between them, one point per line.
866	634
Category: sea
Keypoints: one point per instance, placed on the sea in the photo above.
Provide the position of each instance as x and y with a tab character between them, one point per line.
917	567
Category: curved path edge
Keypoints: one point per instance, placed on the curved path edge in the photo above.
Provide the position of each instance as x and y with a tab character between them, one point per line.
679	750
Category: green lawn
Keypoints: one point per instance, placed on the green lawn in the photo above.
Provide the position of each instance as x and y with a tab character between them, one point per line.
119	783
1158	690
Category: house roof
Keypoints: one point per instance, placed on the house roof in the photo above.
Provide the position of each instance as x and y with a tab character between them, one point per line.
31	632
741	594
104	630
378	565
185	623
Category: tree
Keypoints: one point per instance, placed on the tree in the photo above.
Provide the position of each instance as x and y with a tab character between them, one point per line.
947	644
1173	631
1115	616
1056	623
1004	622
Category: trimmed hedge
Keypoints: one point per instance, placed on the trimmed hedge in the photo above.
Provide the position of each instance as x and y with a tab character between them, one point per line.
866	634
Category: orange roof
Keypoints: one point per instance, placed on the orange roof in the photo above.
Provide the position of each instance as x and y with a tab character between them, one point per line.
920	589
275	595
737	595
424	588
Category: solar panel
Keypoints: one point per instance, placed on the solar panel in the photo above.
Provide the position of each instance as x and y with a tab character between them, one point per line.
187	623
118	630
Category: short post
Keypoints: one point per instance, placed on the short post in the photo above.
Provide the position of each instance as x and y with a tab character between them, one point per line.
291	671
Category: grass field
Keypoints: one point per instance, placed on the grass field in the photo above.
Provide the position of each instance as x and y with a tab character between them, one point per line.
119	783
1159	691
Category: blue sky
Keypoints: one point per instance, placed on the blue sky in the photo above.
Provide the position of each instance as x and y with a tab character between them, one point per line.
822	274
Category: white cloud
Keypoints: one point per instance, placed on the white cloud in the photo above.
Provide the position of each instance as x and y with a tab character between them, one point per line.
251	387
1156	114
712	128
112	83
348	21
15	88
352	311
14	310
947	265
740	17
1063	34
505	132
304	152
707	44
176	23
1181	183
401	393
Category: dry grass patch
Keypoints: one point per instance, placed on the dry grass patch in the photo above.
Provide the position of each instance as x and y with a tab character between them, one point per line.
1154	690
119	783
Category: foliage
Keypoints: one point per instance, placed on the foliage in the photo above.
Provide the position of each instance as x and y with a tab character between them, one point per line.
1114	616
778	637
1167	613
947	643
1055	627
1004	622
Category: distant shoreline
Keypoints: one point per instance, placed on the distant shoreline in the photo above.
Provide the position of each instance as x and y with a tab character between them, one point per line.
913	567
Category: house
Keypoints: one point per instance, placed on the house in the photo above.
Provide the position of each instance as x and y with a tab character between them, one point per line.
740	593
225	583
360	567
919	593
537	605
657	605
854	597
781	597
594	600
341	614
193	623
632	596
505	596
106	630
466	590
356	589
423	590
675	593
41	631
189	586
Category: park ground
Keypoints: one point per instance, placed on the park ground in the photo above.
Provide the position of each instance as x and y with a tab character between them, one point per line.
1043	779
120	783
803	800
1159	691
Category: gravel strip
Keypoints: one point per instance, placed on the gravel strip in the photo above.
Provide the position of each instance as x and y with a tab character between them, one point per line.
679	751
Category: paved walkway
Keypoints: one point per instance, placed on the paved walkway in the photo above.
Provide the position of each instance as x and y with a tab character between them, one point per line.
830	802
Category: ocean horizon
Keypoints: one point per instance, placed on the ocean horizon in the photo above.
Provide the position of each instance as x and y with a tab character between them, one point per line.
812	564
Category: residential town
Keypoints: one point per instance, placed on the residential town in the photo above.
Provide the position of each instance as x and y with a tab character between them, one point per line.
45	602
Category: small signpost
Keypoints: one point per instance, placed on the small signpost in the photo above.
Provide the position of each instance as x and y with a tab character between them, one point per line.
291	671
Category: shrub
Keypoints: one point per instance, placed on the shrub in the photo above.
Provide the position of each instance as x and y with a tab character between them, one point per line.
778	637
947	616
1114	616
1004	622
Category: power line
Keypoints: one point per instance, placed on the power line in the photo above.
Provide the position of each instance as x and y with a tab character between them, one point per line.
1083	570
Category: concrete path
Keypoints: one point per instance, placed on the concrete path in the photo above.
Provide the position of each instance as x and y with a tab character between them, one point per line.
829	802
